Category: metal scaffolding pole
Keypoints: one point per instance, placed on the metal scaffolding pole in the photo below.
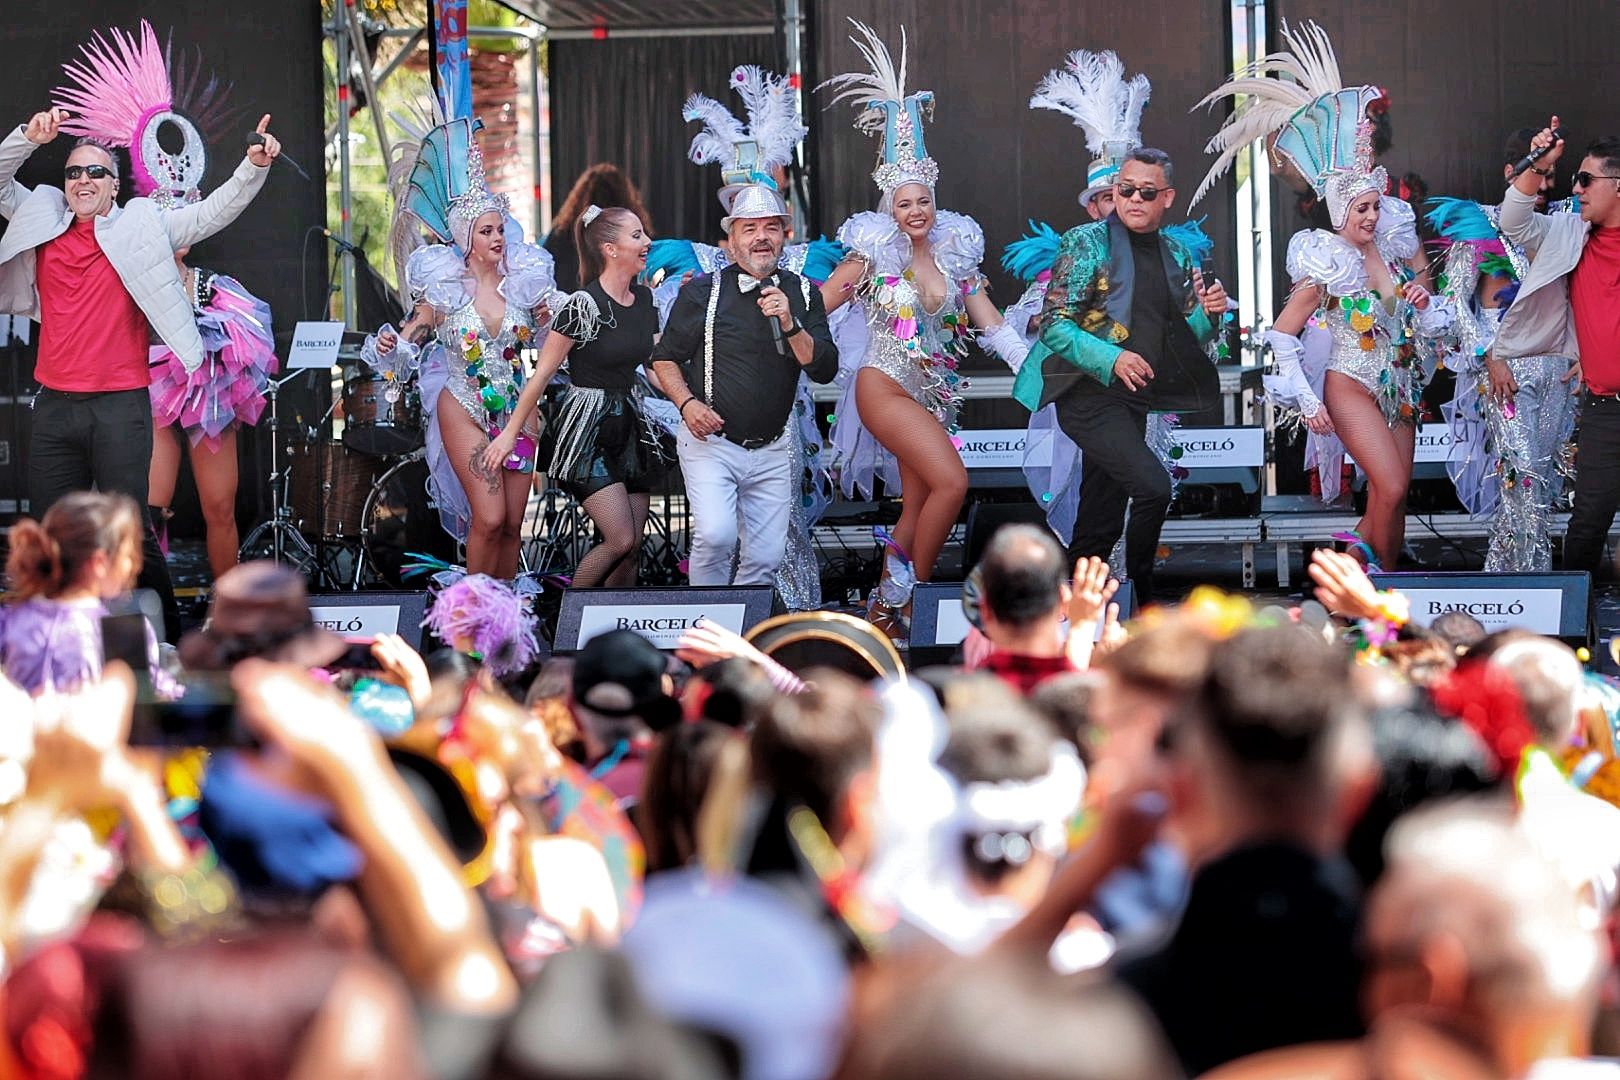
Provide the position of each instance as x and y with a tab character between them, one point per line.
341	13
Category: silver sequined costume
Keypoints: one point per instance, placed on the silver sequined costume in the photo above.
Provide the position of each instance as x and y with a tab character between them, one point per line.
437	275
1383	343
1510	459
917	348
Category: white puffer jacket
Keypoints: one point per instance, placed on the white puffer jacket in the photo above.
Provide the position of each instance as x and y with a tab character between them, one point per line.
140	241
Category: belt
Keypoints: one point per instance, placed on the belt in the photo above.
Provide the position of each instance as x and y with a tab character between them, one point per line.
752	444
88	395
1600	399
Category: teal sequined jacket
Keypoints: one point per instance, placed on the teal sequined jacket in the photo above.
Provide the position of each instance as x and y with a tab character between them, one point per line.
1082	324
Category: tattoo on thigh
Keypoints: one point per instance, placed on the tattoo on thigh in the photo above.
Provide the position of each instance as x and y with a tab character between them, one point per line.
490	477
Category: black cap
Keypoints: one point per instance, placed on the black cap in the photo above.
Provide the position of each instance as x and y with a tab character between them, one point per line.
634	668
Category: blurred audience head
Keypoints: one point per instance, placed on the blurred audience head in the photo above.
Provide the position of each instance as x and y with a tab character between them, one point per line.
1549	679
1458	629
815	750
1421	757
263	1008
1270	744
622	690
1000	1016
261	610
1472	929
733	692
673	789
86	542
1017	786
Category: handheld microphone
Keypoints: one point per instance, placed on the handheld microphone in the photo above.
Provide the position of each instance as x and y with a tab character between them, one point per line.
1535	155
257	139
776	335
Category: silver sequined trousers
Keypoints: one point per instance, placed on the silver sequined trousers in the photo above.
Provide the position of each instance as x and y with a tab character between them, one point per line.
798	579
1544	413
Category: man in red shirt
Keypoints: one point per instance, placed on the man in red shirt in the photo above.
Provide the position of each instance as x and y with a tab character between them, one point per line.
1025	596
101	279
1594	312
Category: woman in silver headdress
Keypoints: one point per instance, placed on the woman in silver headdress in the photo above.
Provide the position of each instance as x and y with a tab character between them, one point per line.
482	294
1358	336
913	271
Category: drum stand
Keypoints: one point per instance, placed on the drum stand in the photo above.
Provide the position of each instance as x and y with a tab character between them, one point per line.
287	543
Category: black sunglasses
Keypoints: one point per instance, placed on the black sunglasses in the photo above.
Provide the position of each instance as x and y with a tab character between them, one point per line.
1128	191
1584	178
94	172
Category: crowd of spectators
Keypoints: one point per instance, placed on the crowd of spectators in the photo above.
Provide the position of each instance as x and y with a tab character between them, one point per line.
1315	841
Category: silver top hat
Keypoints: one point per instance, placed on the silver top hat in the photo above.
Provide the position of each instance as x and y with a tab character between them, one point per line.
754	201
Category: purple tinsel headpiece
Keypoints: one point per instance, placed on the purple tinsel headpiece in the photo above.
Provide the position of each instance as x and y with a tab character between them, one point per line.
487	613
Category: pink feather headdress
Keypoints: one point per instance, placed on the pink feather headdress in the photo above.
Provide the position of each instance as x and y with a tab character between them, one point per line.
120	91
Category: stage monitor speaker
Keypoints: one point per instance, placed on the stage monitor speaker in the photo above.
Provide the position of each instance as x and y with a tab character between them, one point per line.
1555	604
660	615
984	518
939	625
361	616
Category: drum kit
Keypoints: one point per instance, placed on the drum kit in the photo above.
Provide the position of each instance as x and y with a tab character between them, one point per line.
350	503
347	508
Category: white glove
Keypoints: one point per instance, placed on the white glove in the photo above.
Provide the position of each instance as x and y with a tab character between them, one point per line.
1007	344
1289	387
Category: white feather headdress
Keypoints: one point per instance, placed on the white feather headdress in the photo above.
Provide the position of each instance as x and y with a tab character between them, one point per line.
747	153
887	110
1091	89
1301	95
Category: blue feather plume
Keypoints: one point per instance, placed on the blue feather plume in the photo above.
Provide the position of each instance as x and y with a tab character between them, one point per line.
1459	220
1029	257
673	257
1190	234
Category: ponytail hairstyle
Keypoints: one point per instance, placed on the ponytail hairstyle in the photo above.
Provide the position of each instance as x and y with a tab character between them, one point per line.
597	227
49	556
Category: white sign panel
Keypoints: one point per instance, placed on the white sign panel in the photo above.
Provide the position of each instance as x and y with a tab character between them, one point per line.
357	623
661	624
1220	447
1434	445
994	448
315	345
1537	610
951	625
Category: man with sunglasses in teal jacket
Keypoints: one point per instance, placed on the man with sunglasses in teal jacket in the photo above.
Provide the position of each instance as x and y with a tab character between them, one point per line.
1123	332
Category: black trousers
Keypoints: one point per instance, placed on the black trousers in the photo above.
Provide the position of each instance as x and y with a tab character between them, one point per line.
1116	469
1597	483
101	441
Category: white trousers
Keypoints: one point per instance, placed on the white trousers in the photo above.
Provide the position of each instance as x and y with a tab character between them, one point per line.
736	496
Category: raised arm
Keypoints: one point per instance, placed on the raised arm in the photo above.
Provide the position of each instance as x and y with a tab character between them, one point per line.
1519	219
16	148
189	225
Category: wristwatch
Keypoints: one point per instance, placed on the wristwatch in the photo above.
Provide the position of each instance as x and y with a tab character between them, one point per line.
796	328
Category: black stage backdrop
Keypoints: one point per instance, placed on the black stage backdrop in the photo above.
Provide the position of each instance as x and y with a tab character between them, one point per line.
271	51
619	100
1463	74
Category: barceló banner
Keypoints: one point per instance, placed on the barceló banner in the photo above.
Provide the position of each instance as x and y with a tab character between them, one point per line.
662	624
1199	448
1555	604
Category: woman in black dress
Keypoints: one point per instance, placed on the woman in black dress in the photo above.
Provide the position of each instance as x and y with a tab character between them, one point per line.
604	454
